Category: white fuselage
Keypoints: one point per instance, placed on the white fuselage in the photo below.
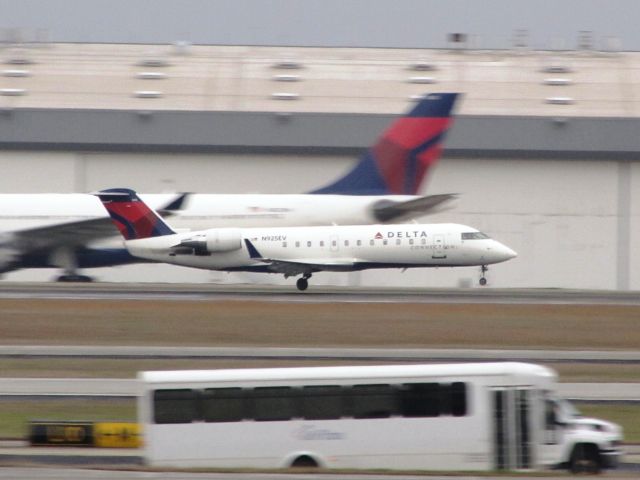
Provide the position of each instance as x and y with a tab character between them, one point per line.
20	211
335	248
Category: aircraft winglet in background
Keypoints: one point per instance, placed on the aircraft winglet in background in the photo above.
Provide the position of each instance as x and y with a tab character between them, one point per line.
301	251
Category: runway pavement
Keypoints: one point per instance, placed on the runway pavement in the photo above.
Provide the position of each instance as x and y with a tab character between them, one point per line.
304	353
318	294
82	474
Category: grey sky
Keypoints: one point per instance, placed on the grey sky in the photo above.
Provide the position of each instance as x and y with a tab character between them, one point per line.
381	23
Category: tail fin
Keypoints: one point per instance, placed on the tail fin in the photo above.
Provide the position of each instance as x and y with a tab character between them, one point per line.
402	156
131	215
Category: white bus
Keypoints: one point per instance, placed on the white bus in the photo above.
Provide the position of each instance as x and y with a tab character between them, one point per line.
482	416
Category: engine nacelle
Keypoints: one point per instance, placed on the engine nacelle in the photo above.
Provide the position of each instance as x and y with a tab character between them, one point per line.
213	241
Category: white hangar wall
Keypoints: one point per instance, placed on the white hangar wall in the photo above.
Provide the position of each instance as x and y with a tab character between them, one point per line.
573	222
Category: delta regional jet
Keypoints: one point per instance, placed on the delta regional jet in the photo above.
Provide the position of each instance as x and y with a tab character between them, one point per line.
303	251
60	230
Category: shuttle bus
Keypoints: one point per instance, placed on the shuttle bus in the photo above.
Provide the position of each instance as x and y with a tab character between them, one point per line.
478	416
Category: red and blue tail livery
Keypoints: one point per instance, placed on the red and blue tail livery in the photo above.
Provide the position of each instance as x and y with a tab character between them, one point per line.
130	214
398	163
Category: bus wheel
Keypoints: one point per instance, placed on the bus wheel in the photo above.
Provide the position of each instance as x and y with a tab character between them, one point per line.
585	458
304	461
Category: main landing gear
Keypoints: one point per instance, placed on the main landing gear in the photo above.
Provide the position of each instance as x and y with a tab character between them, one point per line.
303	283
74	277
483	269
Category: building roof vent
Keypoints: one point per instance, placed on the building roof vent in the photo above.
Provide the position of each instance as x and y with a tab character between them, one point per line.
559	82
288	65
560	100
147	94
422	80
285	96
151	75
153	62
12	92
423	67
16	73
556	68
286	78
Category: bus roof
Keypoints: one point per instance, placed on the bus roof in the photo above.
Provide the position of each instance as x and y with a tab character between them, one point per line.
346	372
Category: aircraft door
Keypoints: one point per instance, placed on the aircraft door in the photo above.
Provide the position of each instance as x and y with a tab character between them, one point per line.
438	246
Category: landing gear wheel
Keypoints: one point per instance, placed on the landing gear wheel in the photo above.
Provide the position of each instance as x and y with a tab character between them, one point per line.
483	269
302	284
74	278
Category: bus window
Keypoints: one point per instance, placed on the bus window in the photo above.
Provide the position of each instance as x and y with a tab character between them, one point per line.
458	399
175	406
420	400
322	402
373	401
454	399
272	403
223	405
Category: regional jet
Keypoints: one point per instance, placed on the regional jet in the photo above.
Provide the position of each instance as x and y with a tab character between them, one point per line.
303	251
60	230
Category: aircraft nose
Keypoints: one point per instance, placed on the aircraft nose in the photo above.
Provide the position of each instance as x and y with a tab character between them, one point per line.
504	253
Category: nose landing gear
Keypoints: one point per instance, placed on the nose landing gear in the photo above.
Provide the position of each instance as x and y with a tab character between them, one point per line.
302	283
483	269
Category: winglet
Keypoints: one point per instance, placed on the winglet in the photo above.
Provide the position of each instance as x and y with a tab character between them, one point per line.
175	205
253	251
402	156
131	215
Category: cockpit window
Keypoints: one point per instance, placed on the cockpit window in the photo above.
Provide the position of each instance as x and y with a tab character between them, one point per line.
474	236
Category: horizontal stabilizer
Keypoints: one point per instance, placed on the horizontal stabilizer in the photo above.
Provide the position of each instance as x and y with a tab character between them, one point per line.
388	210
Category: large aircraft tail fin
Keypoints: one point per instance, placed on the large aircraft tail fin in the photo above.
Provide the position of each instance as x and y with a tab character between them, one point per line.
402	156
131	215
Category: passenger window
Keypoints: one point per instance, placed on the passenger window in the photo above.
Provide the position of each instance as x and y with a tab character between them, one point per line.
175	406
359	243
322	402
456	399
334	243
398	241
385	241
411	241
420	400
346	243
308	244
373	401
223	405
284	244
423	241
272	403
322	243
297	244
371	242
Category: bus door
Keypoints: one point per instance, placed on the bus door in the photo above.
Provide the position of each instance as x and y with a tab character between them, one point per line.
511	422
438	246
553	441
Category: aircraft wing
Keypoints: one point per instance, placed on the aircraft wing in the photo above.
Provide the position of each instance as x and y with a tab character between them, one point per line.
290	268
388	210
71	233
